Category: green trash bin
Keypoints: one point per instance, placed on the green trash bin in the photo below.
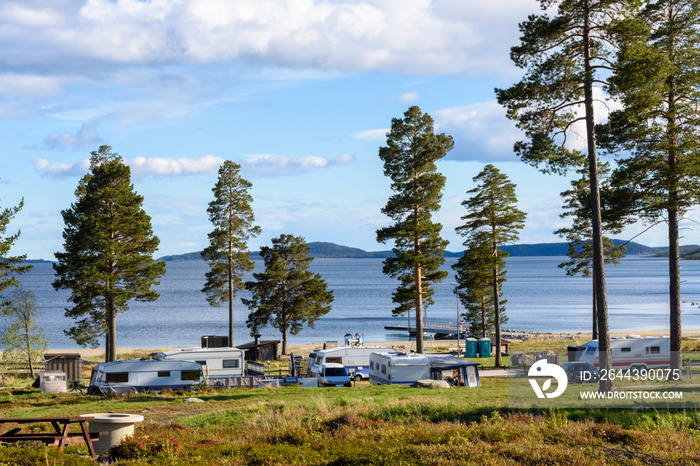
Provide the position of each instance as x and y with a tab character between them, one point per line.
471	347
484	347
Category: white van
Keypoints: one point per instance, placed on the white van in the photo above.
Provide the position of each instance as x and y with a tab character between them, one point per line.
354	358
216	362
333	375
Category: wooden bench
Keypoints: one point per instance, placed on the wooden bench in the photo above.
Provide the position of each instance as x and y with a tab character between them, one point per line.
60	437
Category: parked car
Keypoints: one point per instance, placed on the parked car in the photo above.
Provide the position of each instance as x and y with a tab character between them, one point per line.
333	375
581	372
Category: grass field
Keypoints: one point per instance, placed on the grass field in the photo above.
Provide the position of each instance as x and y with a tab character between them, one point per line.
365	424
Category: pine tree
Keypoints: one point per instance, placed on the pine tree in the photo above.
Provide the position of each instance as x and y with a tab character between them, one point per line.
578	235
409	160
475	287
10	266
565	57
108	245
227	254
658	83
287	295
492	219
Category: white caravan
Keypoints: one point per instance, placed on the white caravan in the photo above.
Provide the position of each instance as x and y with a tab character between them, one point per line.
138	375
398	368
216	362
354	358
631	352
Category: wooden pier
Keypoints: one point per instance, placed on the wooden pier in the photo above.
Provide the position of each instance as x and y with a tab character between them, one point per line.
428	327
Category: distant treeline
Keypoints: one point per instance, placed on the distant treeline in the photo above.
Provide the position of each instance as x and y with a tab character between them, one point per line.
323	250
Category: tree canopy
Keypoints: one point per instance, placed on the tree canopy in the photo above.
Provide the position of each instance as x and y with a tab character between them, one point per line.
287	295
10	266
108	247
410	158
227	254
492	220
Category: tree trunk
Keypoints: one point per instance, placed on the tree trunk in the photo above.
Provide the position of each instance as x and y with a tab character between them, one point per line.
284	339
497	319
674	274
419	311
596	221
230	304
111	333
674	269
594	333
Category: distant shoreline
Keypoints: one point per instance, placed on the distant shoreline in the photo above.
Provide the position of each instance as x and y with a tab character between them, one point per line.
306	348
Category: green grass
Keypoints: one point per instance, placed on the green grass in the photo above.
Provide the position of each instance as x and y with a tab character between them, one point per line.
363	425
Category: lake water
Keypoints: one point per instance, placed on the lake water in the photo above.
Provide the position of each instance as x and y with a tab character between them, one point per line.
540	298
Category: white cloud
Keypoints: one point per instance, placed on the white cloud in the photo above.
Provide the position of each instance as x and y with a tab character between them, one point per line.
265	165
24	85
424	36
280	165
85	137
481	131
166	166
409	97
63	169
372	134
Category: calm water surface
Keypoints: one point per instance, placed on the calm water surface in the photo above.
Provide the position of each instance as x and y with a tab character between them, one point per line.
540	298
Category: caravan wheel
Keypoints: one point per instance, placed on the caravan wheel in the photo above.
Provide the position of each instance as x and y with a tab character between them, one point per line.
358	378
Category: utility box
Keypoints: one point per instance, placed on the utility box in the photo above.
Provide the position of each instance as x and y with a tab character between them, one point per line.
215	341
53	382
69	363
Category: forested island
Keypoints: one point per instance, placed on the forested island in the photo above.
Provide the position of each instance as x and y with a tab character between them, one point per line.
326	250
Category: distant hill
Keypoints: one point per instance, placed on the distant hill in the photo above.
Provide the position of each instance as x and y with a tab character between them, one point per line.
686	252
325	250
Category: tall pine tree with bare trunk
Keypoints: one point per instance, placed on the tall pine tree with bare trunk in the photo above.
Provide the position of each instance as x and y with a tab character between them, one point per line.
492	219
108	252
658	82
565	57
227	254
411	152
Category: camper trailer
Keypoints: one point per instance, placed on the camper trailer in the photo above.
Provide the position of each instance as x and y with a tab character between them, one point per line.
354	358
398	368
138	375
405	369
631	352
216	362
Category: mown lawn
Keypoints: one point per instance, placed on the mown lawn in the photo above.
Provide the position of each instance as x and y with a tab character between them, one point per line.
362	425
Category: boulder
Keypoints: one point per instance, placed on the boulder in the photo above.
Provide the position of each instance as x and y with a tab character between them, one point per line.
429	383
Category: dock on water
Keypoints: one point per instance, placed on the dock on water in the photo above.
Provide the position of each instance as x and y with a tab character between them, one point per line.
444	328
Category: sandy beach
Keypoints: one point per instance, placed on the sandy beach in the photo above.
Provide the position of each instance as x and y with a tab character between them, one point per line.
305	349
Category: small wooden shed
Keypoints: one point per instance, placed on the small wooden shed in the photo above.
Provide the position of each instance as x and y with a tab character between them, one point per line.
260	350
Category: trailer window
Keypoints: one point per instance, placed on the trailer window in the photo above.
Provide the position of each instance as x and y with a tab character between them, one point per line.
335	360
201	363
653	349
230	363
383	369
626	349
118	377
163	373
371	365
190	375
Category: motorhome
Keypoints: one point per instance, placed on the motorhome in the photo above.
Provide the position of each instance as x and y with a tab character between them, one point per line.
398	368
138	375
631	352
216	362
354	358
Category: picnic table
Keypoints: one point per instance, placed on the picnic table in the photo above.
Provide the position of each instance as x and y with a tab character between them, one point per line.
61	436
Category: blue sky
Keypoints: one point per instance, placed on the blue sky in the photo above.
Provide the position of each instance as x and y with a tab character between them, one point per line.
299	92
